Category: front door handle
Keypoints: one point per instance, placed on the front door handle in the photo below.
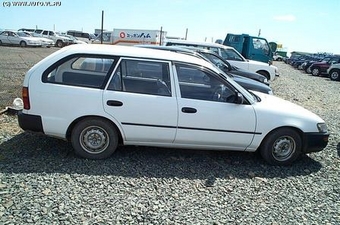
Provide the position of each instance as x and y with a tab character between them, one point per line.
189	110
114	103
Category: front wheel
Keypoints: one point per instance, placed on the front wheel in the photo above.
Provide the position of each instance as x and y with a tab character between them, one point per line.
59	44
334	74
94	138
281	147
23	44
316	71
264	73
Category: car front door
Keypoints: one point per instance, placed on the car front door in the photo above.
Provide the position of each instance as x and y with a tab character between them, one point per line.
207	116
13	38
140	99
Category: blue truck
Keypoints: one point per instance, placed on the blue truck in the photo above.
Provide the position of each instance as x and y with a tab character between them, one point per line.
252	47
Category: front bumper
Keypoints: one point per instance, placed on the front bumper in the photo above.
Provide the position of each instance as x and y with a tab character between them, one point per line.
30	122
315	142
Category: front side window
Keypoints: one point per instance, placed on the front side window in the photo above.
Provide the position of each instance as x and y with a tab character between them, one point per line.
199	84
85	71
141	76
261	45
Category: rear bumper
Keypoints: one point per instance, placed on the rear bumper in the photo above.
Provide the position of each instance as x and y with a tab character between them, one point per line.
30	122
315	142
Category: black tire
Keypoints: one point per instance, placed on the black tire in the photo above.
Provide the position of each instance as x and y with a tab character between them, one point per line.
94	138
264	73
59	44
23	44
0	42
307	69
315	71
334	74
281	147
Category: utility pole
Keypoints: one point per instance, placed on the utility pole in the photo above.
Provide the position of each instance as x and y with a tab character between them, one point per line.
101	32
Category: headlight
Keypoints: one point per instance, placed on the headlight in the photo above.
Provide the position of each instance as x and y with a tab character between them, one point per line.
322	127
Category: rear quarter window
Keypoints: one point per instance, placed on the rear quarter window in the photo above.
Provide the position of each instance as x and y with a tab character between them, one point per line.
84	71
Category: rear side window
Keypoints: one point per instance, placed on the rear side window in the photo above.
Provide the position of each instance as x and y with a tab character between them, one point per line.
84	71
143	77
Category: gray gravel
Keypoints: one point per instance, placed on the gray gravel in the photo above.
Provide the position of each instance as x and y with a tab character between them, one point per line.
43	182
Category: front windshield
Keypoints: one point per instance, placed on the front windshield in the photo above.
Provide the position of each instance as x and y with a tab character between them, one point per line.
216	61
23	34
231	54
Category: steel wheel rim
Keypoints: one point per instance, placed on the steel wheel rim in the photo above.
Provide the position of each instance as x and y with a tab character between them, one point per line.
94	139
315	72
335	75
284	148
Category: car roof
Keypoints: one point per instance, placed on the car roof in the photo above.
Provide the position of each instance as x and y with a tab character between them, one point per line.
131	51
206	44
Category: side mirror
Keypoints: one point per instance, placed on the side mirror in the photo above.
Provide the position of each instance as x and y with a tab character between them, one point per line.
239	98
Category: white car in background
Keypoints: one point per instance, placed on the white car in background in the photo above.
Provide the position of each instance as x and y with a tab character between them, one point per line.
60	41
73	39
232	56
45	42
19	38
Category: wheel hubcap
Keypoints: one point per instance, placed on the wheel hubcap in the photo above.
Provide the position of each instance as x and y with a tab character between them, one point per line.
94	139
335	75
283	148
315	72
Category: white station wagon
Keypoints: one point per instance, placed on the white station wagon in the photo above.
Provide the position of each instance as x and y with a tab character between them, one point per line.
99	97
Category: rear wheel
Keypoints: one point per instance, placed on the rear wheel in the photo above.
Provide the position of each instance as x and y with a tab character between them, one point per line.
0	42
23	44
94	138
334	74
281	147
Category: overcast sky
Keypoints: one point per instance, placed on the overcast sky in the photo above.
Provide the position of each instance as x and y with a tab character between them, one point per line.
303	25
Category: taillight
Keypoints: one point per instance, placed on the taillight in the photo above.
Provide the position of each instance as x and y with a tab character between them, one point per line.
25	98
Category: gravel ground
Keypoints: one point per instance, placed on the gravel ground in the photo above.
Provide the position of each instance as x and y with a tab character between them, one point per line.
43	182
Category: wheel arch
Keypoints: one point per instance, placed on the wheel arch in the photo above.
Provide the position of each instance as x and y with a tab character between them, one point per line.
264	73
22	41
299	131
72	125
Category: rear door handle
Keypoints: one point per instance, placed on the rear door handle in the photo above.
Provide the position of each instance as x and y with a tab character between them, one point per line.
189	110
114	103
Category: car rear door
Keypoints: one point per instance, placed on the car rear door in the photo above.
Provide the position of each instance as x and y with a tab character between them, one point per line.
205	118
140	98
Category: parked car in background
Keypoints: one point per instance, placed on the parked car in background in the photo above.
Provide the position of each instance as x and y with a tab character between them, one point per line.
245	81
133	96
277	57
74	39
60	41
45	42
319	68
334	72
18	38
228	68
233	56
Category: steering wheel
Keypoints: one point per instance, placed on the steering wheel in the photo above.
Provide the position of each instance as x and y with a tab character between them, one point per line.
223	94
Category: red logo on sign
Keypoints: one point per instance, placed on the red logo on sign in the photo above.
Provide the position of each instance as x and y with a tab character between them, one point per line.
122	35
